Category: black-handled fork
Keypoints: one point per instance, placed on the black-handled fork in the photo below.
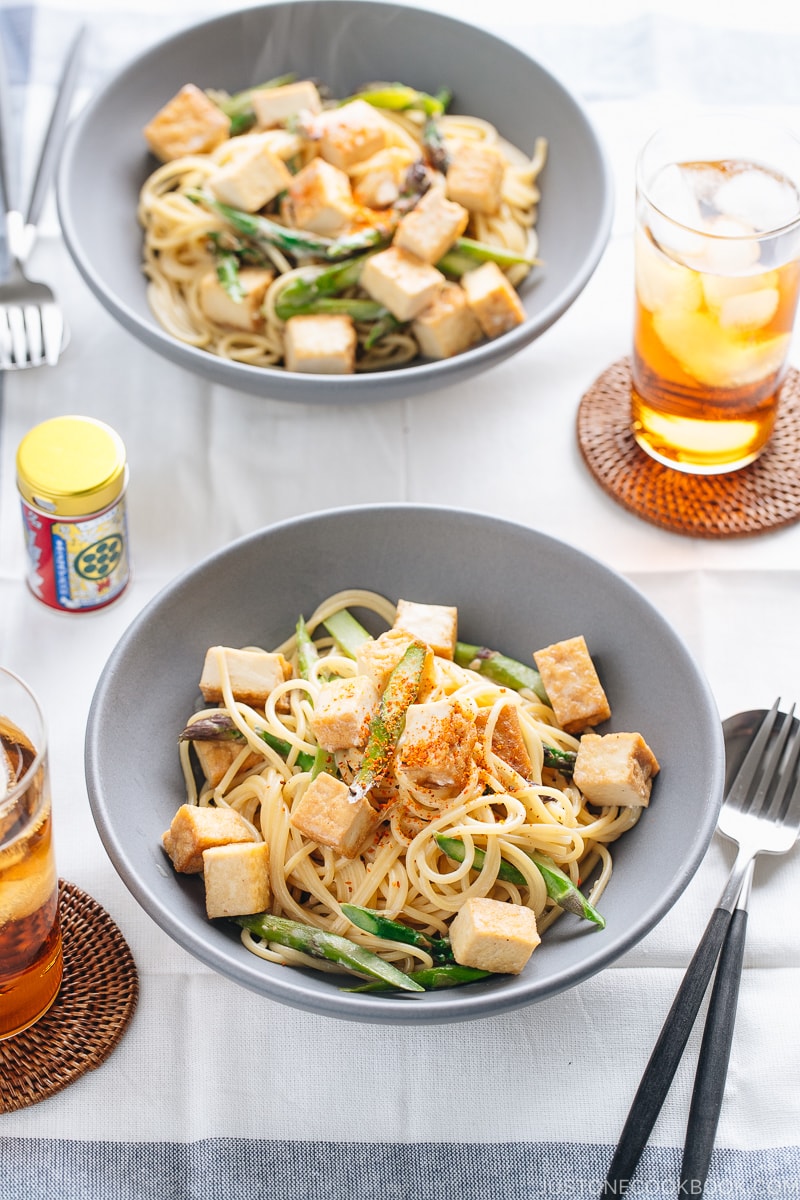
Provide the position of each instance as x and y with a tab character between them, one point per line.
761	813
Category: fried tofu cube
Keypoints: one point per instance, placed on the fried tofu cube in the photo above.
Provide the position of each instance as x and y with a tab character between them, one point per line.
507	740
493	935
434	624
194	830
379	657
189	123
216	759
379	180
274	106
401	281
475	177
320	343
236	879
492	299
221	308
250	179
435	747
432	226
615	769
326	814
572	684
253	674
447	326
342	712
321	198
349	134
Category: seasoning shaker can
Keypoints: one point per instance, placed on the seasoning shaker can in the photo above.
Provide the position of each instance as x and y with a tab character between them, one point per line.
72	477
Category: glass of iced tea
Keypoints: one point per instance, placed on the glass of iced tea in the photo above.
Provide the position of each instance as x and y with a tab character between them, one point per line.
30	934
717	265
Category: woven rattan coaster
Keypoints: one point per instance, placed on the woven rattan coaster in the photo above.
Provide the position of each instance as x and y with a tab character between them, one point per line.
96	1001
762	496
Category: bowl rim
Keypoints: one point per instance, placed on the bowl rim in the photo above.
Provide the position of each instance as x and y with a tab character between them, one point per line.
288	986
428	374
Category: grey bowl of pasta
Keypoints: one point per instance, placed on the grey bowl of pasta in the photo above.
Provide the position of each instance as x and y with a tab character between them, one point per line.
345	762
335	200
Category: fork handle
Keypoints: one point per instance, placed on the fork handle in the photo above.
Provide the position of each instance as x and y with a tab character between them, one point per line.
663	1063
59	117
7	181
712	1065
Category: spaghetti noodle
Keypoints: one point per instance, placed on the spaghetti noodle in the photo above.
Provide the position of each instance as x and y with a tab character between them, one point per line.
184	240
499	815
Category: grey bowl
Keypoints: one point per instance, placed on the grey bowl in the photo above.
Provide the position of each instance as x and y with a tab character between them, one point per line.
515	589
344	43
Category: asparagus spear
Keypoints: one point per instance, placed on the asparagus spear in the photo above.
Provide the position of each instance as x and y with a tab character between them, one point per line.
375	922
384	325
221	728
307	656
465	254
387	724
506	672
225	241
560	760
434	145
432	978
321	944
327	283
562	890
365	239
346	631
454	848
261	230
228	275
399	97
359	310
239	107
559	886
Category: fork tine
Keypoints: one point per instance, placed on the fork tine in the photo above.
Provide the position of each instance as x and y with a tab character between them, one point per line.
53	327
5	341
762	804
33	334
791	815
19	349
740	788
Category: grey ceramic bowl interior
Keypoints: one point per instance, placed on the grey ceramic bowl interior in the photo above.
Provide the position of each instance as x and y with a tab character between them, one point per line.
344	43
515	590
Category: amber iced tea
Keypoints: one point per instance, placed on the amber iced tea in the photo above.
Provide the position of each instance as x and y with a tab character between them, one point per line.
30	938
717	274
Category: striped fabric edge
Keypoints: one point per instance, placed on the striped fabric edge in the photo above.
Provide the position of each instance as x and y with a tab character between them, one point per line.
235	1168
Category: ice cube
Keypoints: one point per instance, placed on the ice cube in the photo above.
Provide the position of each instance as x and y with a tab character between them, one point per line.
719	288
752	310
714	357
730	250
675	215
21	897
662	284
672	193
765	201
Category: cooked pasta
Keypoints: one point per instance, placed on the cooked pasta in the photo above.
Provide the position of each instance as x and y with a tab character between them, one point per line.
500	812
191	239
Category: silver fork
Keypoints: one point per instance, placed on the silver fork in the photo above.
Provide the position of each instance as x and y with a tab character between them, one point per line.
32	326
761	813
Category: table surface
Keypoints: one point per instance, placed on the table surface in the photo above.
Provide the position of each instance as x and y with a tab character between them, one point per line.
215	1091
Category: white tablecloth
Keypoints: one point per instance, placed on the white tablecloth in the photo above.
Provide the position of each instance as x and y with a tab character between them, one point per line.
216	1092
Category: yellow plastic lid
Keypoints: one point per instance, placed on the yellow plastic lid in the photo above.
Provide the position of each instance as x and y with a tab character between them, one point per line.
71	466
